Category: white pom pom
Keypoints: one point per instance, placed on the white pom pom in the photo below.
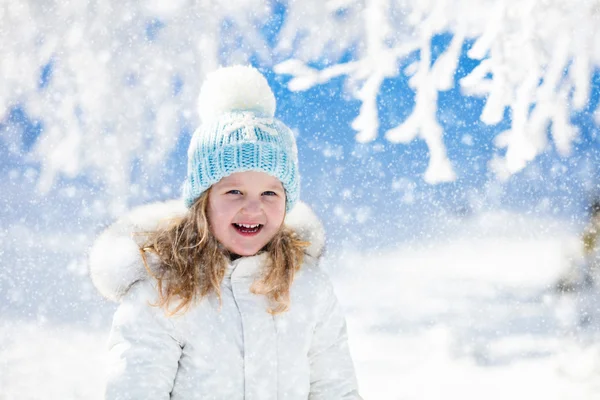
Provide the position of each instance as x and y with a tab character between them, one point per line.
237	88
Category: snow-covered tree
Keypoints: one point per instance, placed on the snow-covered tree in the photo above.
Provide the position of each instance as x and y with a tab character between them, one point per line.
537	60
111	80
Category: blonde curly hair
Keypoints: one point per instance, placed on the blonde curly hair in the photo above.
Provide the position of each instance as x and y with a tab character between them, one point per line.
193	263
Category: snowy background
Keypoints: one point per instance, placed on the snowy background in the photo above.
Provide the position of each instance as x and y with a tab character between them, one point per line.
450	148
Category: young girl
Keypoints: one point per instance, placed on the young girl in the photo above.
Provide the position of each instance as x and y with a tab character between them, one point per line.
221	297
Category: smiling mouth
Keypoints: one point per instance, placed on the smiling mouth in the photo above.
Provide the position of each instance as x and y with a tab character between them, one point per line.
248	229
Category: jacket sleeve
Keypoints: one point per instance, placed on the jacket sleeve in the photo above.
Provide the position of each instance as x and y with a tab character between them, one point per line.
332	373
143	353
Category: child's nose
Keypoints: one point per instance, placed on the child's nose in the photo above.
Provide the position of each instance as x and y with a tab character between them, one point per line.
252	206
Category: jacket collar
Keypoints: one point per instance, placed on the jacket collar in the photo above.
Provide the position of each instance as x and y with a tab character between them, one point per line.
246	267
115	262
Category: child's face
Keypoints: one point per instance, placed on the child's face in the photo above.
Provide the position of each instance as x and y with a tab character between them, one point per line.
245	211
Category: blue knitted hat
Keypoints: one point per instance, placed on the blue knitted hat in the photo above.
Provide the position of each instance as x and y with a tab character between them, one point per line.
239	133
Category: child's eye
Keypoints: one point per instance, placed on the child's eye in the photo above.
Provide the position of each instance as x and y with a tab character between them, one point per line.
269	193
234	191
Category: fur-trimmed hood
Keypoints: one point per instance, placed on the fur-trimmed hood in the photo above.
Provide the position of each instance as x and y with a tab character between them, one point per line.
115	260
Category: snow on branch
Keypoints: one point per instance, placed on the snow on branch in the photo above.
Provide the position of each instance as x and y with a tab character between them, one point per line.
537	58
114	82
121	80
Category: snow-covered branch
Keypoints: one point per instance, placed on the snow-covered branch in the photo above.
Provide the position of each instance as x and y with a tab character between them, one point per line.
537	59
121	78
114	82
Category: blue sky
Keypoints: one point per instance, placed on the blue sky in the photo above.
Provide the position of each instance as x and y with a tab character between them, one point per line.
369	175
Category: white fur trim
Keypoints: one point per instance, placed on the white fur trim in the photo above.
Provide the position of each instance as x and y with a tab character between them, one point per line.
307	225
237	88
115	261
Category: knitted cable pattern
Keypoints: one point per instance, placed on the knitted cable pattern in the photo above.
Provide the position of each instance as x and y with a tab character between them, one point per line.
242	141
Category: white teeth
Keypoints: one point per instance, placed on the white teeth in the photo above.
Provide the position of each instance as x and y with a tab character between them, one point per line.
249	226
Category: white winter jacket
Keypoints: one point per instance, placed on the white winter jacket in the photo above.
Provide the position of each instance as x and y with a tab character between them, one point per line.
235	351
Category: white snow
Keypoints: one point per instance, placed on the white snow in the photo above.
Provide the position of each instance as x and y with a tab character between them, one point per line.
468	315
38	361
471	317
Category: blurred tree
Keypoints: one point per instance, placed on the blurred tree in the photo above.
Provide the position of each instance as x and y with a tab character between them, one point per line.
110	80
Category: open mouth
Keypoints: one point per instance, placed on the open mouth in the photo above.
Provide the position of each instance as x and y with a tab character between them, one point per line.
248	229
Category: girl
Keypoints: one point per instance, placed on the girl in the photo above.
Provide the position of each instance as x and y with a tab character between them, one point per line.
221	297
